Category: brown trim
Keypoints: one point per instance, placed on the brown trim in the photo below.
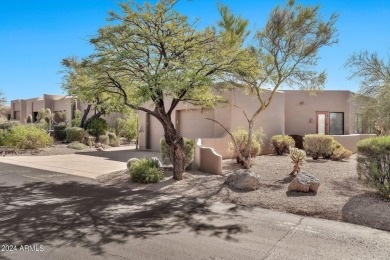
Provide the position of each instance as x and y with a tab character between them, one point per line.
326	113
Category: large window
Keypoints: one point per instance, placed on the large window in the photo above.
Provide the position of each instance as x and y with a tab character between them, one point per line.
336	123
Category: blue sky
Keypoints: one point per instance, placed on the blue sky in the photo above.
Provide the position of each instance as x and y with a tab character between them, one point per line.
36	35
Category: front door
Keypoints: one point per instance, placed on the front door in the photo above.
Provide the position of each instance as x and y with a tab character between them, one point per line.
322	123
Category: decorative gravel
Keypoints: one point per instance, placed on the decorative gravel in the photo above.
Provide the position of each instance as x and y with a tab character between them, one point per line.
340	197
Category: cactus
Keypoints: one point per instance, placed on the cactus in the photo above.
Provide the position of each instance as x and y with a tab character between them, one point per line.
298	157
29	119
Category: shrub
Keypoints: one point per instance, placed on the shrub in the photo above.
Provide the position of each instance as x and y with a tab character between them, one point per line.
76	121
317	145
373	163
131	161
145	171
77	145
241	137
281	143
8	125
97	127
74	134
29	119
339	152
126	128
115	142
60	132
104	139
2	132
298	157
26	137
167	155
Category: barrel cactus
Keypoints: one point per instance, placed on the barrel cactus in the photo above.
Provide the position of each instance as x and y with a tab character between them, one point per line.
298	157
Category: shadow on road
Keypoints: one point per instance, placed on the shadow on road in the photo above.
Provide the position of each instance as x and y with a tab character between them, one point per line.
122	155
92	215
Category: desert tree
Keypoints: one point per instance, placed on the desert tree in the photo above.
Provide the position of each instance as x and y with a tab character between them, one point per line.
374	93
285	54
151	58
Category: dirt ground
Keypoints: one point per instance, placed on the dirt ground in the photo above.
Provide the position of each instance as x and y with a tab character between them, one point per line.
340	197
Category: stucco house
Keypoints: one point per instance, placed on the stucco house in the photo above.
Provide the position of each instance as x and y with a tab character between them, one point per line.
21	108
292	112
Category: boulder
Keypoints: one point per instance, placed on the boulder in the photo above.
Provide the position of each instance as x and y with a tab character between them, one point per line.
304	182
157	160
243	179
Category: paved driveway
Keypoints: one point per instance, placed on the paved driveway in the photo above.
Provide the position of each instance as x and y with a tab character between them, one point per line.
84	164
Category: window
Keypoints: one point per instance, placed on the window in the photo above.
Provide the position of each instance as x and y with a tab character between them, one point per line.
358	124
336	123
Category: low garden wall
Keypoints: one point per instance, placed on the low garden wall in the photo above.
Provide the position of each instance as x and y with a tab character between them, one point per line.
350	141
207	159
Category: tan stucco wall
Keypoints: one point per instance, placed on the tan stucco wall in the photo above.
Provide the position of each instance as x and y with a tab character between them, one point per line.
350	141
301	108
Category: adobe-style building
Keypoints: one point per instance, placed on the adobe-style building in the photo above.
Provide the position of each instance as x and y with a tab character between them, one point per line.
21	108
291	112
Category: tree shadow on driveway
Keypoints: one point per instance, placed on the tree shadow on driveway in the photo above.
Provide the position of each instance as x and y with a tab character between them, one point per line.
122	155
92	215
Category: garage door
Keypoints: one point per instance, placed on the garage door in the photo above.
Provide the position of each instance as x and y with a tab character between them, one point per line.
193	125
156	132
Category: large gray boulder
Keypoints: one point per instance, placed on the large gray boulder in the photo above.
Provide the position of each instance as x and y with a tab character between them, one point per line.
304	182
243	179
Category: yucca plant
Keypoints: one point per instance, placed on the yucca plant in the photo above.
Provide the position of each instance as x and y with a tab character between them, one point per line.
298	157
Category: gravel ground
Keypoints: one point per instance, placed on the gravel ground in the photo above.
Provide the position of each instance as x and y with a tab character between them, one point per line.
340	197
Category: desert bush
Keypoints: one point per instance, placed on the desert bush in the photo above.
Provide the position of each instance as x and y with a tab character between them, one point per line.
126	128
298	158
76	121
115	142
131	161
241	137
29	119
77	145
26	137
74	134
2	132
167	155
104	139
97	127
59	132
317	145
339	152
8	125
374	163
281	143
146	171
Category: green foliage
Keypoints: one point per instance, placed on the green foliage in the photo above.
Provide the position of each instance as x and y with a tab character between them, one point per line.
373	163
146	171
61	115
29	119
44	115
167	154
131	161
2	132
281	143
26	137
59	132
8	125
339	152
42	124
127	127
374	93
97	127
317	145
113	140
75	134
241	137
104	139
77	145
76	121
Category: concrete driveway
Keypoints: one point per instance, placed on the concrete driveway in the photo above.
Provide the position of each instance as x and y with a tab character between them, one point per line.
83	164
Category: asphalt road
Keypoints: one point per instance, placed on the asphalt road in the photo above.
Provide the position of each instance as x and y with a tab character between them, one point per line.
49	215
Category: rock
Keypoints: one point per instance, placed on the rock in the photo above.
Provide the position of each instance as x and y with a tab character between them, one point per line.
304	182
243	179
131	161
157	160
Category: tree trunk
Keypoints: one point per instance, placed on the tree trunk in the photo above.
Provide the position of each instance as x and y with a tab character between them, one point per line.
248	148
84	118
175	141
97	115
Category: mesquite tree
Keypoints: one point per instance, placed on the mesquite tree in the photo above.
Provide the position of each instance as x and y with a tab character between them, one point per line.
285	51
152	58
374	93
